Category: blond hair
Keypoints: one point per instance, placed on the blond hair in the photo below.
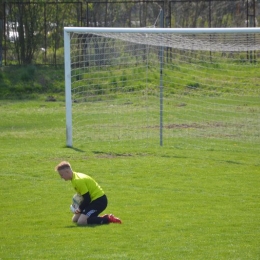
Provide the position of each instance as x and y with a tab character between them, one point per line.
63	165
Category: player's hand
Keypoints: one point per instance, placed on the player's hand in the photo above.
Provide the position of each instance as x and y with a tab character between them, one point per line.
77	211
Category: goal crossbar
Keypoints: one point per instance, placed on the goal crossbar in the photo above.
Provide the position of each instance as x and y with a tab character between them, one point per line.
241	30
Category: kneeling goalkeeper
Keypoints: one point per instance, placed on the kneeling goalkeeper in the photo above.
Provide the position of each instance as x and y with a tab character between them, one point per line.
94	198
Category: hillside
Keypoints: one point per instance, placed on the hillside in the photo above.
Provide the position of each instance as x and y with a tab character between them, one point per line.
30	82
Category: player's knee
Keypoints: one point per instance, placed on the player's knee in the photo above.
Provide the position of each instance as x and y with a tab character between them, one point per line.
81	222
75	219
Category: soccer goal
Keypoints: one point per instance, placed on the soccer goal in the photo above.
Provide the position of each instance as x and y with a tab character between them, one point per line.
178	87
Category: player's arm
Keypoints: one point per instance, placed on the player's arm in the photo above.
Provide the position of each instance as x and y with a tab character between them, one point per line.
85	202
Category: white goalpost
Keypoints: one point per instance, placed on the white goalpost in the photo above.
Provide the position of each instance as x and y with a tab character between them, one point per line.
178	87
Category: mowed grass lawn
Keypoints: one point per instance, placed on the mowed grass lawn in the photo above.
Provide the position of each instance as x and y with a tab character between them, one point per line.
174	203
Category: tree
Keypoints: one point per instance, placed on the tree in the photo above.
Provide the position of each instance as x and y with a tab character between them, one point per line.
38	27
24	19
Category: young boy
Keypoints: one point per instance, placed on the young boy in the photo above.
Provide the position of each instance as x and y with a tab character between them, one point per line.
94	198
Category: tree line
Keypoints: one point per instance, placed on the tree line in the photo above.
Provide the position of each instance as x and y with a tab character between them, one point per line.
32	31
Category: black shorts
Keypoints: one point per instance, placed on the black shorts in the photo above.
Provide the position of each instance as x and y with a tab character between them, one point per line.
95	207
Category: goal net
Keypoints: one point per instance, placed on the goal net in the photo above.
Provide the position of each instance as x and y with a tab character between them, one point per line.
174	87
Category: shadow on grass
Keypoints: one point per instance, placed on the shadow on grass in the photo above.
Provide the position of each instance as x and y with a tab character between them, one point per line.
71	226
233	162
175	156
75	149
86	226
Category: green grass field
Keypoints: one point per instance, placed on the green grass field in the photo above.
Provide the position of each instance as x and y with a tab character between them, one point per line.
174	203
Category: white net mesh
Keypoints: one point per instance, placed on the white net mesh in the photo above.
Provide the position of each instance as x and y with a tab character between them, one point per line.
201	42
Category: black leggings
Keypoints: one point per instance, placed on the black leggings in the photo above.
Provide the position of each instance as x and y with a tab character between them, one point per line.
94	209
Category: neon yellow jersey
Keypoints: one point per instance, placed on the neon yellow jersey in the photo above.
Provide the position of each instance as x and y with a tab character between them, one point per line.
83	183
